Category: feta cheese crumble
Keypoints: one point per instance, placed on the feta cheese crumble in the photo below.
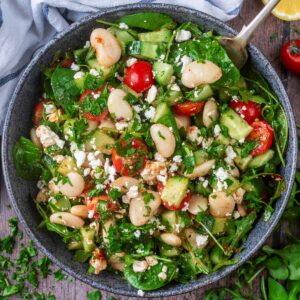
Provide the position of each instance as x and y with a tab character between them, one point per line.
94	72
79	157
131	61
217	130
183	35
150	113
78	75
75	67
123	26
48	137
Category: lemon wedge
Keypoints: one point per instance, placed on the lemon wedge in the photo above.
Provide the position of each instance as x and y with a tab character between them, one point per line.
287	10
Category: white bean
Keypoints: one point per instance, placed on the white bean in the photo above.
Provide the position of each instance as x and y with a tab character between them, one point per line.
67	219
210	112
197	203
73	188
116	261
108	123
105	230
42	195
139	266
107	47
201	170
196	73
119	107
220	204
171	239
163	139
125	183
34	138
139	213
80	211
92	125
182	121
238	195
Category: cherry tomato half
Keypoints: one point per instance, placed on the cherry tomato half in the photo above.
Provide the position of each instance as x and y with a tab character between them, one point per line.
89	115
184	201
139	76
188	108
262	133
290	56
38	113
127	165
67	62
249	111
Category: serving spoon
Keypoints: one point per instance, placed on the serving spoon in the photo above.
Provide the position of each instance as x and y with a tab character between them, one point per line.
236	46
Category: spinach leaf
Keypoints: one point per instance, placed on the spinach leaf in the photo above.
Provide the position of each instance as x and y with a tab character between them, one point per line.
206	48
94	295
64	89
276	290
27	159
277	268
148	21
152	278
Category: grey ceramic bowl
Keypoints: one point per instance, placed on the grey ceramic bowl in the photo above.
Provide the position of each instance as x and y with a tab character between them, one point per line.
18	122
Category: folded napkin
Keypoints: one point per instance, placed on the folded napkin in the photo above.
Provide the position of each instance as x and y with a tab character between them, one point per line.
27	25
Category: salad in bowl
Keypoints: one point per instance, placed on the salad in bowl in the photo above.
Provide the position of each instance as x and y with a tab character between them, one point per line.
154	155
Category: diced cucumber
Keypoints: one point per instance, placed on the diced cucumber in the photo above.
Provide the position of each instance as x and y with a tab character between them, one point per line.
67	165
201	157
163	115
93	63
221	139
162	72
262	159
175	190
219	225
146	50
169	251
203	190
88	238
80	55
162	109
61	203
242	163
161	36
201	93
124	37
80	82
101	141
128	90
74	245
232	185
171	97
238	128
173	220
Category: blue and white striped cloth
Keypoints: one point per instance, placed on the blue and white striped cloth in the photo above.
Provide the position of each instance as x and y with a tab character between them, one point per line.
26	25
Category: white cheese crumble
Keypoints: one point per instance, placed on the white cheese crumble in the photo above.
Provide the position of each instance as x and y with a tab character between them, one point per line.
217	130
123	26
242	140
87	44
183	35
121	125
79	157
150	113
75	67
94	72
151	95
185	60
137	108
221	175
236	214
48	137
132	192
91	214
201	240
110	171
137	233
78	75
141	293
175	87
230	154
177	159
49	108
193	134
86	172
158	157
162	276
205	183
131	61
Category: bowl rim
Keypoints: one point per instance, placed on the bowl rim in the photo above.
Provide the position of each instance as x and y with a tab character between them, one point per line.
181	288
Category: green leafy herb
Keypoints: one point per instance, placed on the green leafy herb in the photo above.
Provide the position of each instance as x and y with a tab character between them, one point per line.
94	295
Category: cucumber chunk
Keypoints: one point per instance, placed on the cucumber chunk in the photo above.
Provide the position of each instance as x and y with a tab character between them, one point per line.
262	159
124	38
219	225
101	141
200	93
169	251
146	50
175	190
162	109
80	82
174	220
201	157
162	72
242	163
59	204
88	238
238	128
160	36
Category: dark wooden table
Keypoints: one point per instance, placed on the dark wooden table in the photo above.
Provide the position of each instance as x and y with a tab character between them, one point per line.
280	32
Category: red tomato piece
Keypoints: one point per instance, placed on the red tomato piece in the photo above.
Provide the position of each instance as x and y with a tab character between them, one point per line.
139	76
67	62
290	56
184	201
249	111
262	133
122	164
188	108
38	113
89	115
